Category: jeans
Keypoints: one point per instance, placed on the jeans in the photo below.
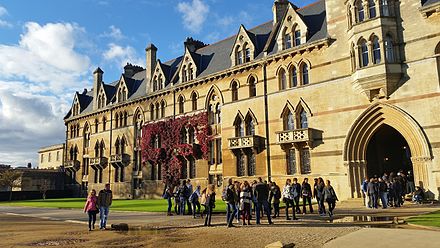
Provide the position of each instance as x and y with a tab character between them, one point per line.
263	205
373	198
297	209
103	215
276	207
321	205
208	215
231	211
238	212
182	203
384	199
246	213
92	218
188	204
169	204
290	204
309	200
331	206
194	205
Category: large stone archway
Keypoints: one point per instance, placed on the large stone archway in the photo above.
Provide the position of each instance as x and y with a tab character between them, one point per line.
362	130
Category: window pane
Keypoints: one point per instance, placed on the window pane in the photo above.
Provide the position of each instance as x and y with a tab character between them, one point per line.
291	162
297	37
251	164
305	74
372	8
364	54
376	51
287	41
294	77
360	9
240	164
305	161
303	117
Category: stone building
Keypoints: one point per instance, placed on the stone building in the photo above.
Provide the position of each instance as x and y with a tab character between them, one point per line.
51	157
339	89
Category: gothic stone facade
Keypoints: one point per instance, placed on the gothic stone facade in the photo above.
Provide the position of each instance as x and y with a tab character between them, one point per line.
317	92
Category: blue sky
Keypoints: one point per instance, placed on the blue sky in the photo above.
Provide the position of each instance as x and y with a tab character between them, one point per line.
49	48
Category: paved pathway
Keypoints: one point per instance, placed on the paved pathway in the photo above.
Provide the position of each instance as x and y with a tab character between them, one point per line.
383	238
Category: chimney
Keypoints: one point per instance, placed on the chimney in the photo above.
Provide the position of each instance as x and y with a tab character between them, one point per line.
279	9
130	70
193	45
150	53
97	81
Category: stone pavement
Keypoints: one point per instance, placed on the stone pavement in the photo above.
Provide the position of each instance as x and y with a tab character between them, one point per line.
387	237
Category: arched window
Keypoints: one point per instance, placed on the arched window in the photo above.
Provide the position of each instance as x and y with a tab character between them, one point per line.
116	120
181	104
218	111
183	136
119	95
384	7
389	49
151	111
239	127
124	94
155	83
360	11
349	16
289	121
294	75
157	111
125	119
118	146
297	37
305	74
250	128
97	149
194	101
239	55
247	53
363	53
282	79
184	74
251	168
96	125
190	72
86	136
376	51
162	109
372	8
234	89
191	135
252	87
160	83
104	123
101	149
303	119
287	40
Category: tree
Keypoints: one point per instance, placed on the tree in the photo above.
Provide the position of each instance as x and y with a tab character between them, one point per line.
10	179
44	187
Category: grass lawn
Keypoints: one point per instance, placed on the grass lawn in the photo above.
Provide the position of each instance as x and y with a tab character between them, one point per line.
157	205
431	219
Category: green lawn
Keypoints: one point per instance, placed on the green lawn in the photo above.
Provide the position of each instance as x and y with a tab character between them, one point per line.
158	205
431	219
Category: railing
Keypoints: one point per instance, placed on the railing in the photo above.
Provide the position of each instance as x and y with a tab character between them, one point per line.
244	142
72	164
119	158
293	136
98	161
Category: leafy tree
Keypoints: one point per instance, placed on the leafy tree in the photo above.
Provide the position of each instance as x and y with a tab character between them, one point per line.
10	179
44	187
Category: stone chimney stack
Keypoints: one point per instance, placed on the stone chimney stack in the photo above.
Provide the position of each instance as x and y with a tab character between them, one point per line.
150	53
279	9
193	45
97	82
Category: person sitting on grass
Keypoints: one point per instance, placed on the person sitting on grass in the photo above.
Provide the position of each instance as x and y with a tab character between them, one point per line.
91	208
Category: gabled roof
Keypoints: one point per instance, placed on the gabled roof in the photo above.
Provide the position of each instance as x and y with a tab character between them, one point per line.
429	2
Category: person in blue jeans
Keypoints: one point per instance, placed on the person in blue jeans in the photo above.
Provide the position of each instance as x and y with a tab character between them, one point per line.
261	191
168	194
105	198
229	197
183	194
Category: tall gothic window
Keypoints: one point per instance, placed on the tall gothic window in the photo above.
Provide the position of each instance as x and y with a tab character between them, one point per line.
294	75
181	103
305	161
157	111
289	121
194	101
372	8
251	168
234	89
364	53
360	11
389	49
282	79
287	40
305	74
241	170
239	127
250	127
376	51
252	87
151	111
303	119
162	109
297	37
291	161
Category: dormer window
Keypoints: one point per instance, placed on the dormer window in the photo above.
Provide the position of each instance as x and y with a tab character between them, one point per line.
188	69
287	41
160	82
243	49
190	72
297	35
155	83
239	55
184	74
122	94
247	52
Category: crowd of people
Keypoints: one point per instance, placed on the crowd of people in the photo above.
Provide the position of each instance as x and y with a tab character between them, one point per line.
390	190
257	198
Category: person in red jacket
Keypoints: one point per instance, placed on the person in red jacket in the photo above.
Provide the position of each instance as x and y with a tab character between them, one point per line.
91	208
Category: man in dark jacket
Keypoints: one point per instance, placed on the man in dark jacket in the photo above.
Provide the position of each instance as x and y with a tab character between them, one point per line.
105	199
229	198
262	194
373	192
296	187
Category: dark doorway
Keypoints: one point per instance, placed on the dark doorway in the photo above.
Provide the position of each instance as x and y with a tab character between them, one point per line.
387	152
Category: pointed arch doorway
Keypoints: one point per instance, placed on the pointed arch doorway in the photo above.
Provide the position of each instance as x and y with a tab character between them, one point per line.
383	139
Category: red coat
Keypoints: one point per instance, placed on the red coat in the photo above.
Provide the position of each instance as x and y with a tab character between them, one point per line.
91	203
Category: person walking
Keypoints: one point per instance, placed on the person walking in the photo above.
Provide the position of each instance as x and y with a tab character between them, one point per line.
189	193
320	195
296	187
91	208
373	192
194	199
176	198
330	197
210	204
245	202
167	195
306	195
105	198
183	195
262	195
288	199
274	198
229	197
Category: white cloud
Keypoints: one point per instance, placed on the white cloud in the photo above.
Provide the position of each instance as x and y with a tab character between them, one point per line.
37	77
121	55
193	14
4	23
114	33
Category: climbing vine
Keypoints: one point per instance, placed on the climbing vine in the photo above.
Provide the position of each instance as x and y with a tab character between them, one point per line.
161	143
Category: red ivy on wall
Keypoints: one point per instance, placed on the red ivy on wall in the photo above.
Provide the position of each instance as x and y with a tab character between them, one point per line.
171	151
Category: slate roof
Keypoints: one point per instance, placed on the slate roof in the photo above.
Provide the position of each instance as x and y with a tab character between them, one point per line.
216	57
429	2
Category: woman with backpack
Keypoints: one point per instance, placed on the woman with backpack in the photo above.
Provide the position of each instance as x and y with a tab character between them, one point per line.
330	197
288	199
245	202
306	195
194	199
210	204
